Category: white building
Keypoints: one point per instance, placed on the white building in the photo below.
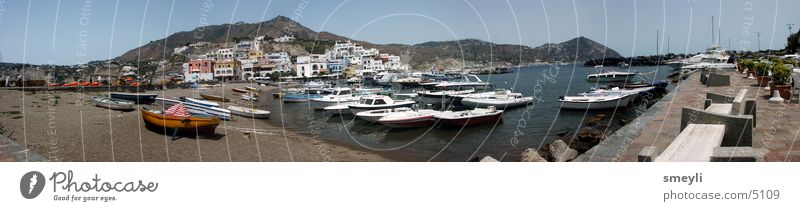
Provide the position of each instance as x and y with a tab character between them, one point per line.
248	69
284	39
279	58
220	54
308	66
179	50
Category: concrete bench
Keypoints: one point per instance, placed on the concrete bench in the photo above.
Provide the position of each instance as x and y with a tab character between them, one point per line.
739	128
716	79
741	105
695	143
720	108
738	154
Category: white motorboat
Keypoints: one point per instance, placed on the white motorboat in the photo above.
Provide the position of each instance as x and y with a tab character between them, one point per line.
342	108
377	114
410	118
249	112
333	97
195	108
355	80
498	92
374	102
498	101
609	76
598	101
618	91
201	102
476	116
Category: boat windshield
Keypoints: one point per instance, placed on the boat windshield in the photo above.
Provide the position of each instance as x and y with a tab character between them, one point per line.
380	102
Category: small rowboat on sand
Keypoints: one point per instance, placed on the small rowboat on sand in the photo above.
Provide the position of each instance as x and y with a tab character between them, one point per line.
239	90
249	97
252	88
200	102
200	125
249	112
114	104
214	98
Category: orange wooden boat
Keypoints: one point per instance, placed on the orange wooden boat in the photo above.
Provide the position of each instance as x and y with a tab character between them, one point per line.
75	83
188	124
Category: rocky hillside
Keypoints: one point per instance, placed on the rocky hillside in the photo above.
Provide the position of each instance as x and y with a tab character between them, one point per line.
443	54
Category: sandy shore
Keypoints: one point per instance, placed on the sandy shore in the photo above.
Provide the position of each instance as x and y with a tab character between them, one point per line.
67	126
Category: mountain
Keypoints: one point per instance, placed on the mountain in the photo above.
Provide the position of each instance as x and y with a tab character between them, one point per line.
443	54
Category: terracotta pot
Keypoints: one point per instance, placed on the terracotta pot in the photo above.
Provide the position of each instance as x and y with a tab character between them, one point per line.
784	90
763	81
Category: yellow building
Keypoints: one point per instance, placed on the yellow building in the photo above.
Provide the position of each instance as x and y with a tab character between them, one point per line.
255	55
227	69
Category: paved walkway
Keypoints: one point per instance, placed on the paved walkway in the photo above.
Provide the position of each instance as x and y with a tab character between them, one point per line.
10	151
776	129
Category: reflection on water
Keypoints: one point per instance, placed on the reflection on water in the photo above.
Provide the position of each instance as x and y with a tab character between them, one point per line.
521	128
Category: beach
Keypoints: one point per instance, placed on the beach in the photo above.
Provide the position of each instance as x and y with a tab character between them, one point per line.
67	126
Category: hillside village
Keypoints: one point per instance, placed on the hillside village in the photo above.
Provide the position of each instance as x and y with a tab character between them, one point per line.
250	60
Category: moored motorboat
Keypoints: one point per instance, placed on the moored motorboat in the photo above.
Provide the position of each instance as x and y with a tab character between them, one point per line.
476	116
375	115
342	108
333	97
375	102
598	101
137	98
303	96
249	112
158	119
198	101
214	98
410	118
499	101
609	76
111	103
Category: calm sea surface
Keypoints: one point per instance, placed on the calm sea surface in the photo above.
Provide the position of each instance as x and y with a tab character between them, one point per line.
521	128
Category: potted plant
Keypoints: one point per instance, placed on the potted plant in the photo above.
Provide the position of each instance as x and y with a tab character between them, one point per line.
781	80
762	71
748	67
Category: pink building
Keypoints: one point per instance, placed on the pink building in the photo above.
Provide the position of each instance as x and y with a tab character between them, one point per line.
200	70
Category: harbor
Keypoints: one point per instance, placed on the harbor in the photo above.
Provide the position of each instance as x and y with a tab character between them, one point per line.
296	131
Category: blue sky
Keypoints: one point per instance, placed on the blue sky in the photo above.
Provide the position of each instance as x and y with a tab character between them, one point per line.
49	31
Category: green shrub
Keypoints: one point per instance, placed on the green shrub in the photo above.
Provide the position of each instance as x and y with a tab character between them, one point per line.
781	74
762	68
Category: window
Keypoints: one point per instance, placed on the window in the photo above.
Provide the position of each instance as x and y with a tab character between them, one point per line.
368	102
380	102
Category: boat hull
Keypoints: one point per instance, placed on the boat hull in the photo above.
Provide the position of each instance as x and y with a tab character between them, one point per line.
250	113
215	98
478	103
355	109
113	104
472	121
610	104
186	124
136	98
419	121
